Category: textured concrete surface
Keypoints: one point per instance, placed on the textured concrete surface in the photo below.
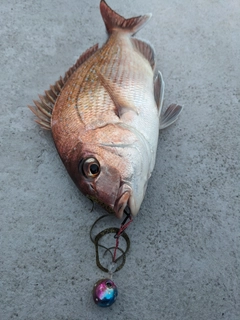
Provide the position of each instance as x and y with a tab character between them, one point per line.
184	261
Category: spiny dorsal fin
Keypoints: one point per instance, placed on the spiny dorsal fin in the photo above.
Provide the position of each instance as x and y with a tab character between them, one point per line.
43	108
114	21
87	54
146	50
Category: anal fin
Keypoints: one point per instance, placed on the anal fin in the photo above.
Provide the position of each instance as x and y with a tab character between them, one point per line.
43	108
146	50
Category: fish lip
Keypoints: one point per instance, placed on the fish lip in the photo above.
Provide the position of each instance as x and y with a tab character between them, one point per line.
121	204
123	200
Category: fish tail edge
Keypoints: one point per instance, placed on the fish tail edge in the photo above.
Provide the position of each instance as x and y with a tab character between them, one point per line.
113	21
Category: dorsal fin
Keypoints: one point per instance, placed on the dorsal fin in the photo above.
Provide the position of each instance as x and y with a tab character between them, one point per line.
146	50
114	21
43	108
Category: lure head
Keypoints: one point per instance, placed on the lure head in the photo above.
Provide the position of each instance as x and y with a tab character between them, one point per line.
104	293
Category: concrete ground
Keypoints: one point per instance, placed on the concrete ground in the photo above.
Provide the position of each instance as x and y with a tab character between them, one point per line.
184	261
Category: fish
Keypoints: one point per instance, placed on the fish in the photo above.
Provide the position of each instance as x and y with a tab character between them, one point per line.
105	115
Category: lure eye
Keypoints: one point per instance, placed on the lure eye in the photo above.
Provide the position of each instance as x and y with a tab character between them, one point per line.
91	168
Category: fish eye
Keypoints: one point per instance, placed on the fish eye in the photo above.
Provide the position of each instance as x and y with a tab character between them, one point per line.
91	168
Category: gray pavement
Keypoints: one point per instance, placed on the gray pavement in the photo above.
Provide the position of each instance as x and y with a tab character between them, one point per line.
184	261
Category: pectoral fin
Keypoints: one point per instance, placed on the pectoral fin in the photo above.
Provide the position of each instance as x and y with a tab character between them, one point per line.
121	103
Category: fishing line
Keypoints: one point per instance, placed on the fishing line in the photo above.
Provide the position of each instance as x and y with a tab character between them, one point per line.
118	232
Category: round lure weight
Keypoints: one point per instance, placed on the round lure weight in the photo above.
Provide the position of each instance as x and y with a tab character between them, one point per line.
104	292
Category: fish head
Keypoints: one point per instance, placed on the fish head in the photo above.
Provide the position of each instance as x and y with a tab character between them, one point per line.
100	179
108	168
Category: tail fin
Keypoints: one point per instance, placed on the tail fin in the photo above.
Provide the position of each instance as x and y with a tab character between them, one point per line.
114	21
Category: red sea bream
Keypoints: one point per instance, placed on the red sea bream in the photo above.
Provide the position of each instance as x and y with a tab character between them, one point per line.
105	116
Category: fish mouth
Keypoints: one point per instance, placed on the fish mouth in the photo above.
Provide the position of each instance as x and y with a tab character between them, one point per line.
121	204
124	200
